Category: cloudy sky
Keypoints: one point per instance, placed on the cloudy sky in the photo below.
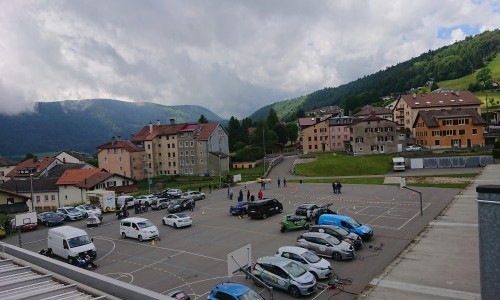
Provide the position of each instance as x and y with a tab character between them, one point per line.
230	56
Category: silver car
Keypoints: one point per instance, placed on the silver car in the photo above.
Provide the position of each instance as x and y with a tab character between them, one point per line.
319	267
284	274
326	245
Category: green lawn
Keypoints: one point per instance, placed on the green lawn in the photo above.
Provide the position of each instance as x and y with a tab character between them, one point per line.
328	164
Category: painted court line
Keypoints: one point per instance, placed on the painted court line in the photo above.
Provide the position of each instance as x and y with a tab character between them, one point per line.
428	290
417	214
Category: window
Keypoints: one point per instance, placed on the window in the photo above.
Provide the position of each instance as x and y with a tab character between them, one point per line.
53	197
359	140
448	122
474	131
461	121
461	131
436	142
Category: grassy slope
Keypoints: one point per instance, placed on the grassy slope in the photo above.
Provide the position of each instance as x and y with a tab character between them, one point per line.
462	83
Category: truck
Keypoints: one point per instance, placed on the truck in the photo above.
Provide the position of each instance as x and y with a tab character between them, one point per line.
398	164
104	199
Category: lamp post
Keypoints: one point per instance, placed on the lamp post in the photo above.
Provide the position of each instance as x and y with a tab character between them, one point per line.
32	200
149	180
220	173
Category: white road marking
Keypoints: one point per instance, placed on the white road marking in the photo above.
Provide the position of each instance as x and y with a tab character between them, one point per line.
429	290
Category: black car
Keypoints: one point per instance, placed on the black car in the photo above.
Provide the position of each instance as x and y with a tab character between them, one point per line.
50	218
263	208
178	205
307	210
324	209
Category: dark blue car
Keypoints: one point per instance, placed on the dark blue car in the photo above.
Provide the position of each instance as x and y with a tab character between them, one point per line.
239	209
231	290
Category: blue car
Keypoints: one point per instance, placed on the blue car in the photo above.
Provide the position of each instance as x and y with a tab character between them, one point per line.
239	209
348	224
231	290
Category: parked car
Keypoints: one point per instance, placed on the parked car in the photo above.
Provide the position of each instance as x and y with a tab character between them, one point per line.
24	227
178	205
93	220
240	208
348	224
179	295
232	290
174	193
307	210
323	209
264	208
326	245
177	220
89	209
49	218
144	200
319	267
2	232
293	222
413	148
284	274
195	195
70	213
160	203
339	233
138	228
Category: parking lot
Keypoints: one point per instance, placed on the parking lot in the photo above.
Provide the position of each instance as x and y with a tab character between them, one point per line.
195	258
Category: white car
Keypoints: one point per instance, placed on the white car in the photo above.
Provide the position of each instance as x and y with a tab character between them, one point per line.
413	148
195	195
319	267
88	210
144	200
174	193
177	220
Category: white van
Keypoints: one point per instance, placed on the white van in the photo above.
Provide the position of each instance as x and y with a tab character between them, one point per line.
69	242
128	200
138	228
398	164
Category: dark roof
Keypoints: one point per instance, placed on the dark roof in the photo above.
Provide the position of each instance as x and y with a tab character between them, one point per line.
463	98
368	109
339	121
126	145
10	193
78	155
5	162
41	184
148	133
58	170
371	117
431	117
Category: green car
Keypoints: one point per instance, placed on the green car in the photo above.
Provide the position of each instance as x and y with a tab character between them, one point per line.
293	222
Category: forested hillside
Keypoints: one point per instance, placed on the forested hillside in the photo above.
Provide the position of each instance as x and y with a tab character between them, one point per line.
457	60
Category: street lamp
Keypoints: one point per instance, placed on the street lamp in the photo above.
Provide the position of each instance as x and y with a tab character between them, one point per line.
220	173
32	200
149	180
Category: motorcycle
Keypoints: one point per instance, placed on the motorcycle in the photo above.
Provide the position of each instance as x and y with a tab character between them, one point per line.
122	214
141	209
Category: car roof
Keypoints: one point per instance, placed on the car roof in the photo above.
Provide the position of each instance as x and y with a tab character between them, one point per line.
232	288
316	234
135	219
307	204
274	260
293	249
334	227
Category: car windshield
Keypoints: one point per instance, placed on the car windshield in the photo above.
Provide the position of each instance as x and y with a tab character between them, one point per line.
294	269
353	223
332	240
342	231
311	257
50	215
176	202
250	295
79	241
145	224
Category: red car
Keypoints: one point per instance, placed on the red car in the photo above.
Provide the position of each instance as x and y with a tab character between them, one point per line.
27	227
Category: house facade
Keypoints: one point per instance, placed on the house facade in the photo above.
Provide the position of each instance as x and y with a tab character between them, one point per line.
6	166
375	135
369	110
449	128
13	203
36	167
408	106
72	157
315	137
122	157
340	133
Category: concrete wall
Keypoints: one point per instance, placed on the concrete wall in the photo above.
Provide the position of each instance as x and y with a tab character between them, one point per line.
450	162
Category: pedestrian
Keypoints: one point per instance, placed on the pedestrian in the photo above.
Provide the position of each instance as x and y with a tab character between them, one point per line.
209	187
199	189
191	204
284	182
334	187
339	186
260	195
230	194
279	182
240	196
6	225
263	185
252	198
248	195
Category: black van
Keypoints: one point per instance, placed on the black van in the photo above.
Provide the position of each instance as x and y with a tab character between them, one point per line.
263	208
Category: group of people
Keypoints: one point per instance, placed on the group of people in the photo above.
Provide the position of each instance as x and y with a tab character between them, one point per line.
336	186
279	182
85	262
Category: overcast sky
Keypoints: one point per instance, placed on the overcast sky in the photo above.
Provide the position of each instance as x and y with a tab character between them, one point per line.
232	57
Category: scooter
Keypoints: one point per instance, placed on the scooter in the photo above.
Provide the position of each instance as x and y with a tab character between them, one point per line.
122	214
141	209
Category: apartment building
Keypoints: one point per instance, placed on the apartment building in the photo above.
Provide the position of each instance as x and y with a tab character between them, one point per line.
375	135
369	110
340	133
449	128
407	107
314	134
123	158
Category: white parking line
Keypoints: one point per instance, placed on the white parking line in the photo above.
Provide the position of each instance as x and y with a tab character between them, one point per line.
429	290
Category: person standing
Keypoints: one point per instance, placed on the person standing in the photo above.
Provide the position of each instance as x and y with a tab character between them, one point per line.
279	182
230	194
240	196
284	181
334	187
209	187
191	204
260	195
248	195
339	186
6	225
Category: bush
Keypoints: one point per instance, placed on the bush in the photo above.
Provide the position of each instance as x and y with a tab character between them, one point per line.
249	154
496	153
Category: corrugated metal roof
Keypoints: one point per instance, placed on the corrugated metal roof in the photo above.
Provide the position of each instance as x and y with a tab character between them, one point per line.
20	282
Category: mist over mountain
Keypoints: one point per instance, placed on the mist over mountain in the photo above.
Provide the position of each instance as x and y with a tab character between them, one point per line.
82	125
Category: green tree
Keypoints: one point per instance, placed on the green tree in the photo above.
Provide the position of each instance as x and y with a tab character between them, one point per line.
292	131
234	132
300	113
483	78
272	119
202	119
281	134
28	156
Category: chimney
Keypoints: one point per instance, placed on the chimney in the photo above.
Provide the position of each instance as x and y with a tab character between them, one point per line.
172	121
119	138
113	140
150	127
414	95
158	122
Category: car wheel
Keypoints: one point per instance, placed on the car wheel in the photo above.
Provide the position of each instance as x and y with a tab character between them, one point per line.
66	218
336	256
306	227
264	216
140	238
283	228
124	236
163	221
315	275
175	225
70	260
202	197
294	291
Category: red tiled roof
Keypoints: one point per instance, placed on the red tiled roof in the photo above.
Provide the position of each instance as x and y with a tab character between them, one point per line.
127	145
368	109
94	179
207	130
34	166
73	177
463	98
149	132
312	120
431	117
189	127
